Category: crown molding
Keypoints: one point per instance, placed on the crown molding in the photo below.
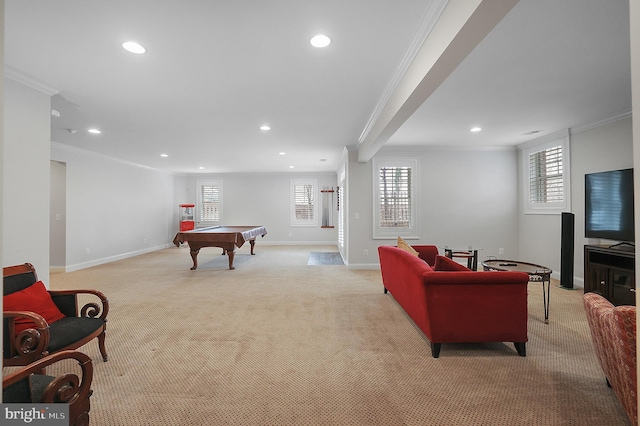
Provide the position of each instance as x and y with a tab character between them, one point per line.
595	124
20	77
87	153
429	19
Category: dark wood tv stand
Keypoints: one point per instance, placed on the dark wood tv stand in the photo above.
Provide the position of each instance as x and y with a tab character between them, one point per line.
610	271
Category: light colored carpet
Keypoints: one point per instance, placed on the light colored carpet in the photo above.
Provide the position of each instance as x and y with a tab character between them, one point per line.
278	342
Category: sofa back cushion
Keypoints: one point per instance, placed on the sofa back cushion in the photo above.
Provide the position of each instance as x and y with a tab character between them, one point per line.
444	263
427	252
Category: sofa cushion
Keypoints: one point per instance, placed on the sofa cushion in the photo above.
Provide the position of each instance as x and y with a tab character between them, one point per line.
34	298
444	263
402	244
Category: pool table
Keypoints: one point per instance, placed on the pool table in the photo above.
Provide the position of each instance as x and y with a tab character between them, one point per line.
225	237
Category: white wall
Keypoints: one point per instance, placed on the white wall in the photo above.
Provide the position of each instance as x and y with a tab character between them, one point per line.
1	136
260	199
25	177
466	197
114	209
634	12
604	147
58	217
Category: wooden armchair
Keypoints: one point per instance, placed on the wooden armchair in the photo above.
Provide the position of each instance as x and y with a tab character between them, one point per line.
27	386
38	322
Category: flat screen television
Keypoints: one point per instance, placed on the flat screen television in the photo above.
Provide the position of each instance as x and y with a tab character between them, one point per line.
609	205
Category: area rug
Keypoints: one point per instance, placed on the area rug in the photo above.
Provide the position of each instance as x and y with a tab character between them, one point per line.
325	258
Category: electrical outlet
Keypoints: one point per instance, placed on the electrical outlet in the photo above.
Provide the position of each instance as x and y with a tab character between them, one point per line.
87	251
365	252
500	250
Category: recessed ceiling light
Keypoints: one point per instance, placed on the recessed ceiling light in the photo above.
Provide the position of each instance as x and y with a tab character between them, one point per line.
291	167
94	131
475	129
531	132
265	127
282	153
133	47
320	40
55	113
323	159
201	168
164	155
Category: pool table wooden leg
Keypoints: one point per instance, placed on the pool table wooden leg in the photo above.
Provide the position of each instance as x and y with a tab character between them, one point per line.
253	244
194	256
231	254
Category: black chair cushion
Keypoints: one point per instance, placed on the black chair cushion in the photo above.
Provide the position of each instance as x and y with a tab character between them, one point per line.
71	329
63	332
28	390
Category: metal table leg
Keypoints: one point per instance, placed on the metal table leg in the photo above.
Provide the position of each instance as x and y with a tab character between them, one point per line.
545	278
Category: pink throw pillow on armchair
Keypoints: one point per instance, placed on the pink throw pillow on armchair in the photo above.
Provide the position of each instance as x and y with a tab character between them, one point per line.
34	298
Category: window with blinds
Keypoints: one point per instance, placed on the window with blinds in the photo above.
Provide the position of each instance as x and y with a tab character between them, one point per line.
340	191
304	206
304	201
209	203
395	198
545	176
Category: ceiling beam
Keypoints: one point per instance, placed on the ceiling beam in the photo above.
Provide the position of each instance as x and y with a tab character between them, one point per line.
460	28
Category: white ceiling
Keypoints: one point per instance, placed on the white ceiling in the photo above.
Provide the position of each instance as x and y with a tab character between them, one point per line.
215	71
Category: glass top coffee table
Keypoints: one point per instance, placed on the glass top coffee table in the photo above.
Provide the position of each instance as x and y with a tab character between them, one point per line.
537	273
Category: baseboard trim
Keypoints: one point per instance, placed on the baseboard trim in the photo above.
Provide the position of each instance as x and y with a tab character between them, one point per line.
101	261
363	266
295	243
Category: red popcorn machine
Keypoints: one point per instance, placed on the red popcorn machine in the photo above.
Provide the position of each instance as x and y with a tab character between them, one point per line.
186	217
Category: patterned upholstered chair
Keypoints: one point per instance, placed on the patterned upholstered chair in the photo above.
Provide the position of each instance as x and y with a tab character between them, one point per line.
613	332
38	322
27	386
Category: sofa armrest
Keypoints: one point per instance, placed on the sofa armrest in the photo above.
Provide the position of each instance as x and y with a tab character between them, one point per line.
624	318
476	306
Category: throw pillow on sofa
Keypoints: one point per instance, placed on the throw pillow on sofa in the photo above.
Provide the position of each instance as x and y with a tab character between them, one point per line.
444	263
402	244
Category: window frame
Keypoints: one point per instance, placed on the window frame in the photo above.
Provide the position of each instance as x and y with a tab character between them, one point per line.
412	231
294	221
561	139
199	206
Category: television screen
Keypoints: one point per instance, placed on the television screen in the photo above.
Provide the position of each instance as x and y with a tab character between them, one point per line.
609	205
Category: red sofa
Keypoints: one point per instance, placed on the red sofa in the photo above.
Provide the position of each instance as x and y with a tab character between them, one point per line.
451	303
